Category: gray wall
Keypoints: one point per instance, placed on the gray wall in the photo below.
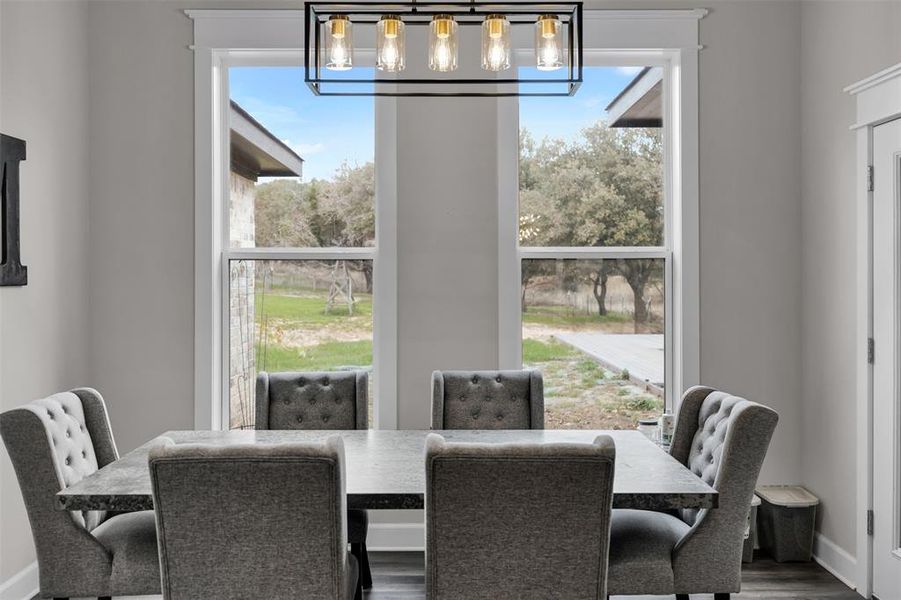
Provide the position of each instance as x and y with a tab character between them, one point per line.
869	42
135	140
43	326
751	213
142	216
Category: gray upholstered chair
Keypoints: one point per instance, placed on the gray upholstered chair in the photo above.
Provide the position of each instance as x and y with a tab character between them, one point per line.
53	443
320	400
252	521
723	439
516	521
487	400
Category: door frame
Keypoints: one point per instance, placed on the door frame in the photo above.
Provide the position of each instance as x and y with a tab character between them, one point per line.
878	99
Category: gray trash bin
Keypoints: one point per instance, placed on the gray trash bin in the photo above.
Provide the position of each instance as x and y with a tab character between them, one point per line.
785	521
747	554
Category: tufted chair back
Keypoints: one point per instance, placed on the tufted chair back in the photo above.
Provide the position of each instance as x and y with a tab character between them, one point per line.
313	400
54	443
518	521
252	521
487	400
723	439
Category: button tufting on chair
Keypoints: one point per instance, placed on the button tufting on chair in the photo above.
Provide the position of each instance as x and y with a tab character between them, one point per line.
71	562
519	392
350	410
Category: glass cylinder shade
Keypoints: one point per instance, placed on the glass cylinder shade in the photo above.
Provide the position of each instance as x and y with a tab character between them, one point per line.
495	43
390	42
443	44
548	43
339	43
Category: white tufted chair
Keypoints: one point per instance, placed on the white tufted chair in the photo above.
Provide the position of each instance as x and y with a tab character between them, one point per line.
320	400
487	400
54	443
723	439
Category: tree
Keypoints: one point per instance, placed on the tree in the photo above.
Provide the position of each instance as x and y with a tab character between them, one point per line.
603	189
321	213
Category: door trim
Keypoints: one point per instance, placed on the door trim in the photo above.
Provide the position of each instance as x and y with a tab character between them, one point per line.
877	102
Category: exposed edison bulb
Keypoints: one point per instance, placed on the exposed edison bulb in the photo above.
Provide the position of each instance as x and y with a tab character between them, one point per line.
339	43
443	43
495	43
548	47
390	44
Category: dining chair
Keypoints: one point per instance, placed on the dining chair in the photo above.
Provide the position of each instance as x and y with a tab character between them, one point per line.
487	400
252	521
722	439
54	443
518	521
320	400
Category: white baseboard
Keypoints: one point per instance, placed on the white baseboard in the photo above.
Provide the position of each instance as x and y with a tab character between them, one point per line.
21	586
396	537
834	559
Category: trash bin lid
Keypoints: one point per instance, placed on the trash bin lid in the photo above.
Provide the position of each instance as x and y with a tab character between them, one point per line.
789	496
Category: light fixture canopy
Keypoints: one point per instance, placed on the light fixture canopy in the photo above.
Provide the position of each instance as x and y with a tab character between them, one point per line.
527	48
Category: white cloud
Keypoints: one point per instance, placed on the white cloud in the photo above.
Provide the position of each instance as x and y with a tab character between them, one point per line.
305	150
629	70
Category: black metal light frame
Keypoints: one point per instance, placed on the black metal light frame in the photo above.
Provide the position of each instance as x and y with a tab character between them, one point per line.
419	14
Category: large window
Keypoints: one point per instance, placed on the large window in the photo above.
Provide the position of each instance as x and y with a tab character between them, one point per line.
301	232
593	248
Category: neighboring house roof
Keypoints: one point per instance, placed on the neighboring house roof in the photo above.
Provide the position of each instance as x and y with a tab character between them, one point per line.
640	104
256	152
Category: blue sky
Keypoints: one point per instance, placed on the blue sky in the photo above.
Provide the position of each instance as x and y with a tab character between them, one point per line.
327	130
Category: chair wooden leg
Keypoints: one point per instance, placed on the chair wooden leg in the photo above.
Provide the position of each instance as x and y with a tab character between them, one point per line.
682	597
721	596
104	598
365	573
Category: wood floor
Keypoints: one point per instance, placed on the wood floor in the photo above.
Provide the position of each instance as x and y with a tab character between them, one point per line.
400	576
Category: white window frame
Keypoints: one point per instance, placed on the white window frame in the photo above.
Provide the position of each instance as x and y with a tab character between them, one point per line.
660	38
221	35
227	38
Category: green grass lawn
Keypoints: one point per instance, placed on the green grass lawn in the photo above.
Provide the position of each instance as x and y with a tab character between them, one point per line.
308	311
321	357
562	315
536	351
579	391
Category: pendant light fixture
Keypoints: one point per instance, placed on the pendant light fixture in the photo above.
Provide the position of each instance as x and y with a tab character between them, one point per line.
548	46
495	43
443	44
390	42
339	43
508	55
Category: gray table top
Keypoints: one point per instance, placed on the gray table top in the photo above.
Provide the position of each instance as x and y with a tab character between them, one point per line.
385	469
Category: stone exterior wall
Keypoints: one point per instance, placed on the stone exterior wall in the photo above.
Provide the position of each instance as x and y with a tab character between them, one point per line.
242	330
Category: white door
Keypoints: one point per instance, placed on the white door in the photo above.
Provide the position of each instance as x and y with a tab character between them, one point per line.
887	364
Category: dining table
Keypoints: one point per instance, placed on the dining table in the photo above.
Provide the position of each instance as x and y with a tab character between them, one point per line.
385	469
